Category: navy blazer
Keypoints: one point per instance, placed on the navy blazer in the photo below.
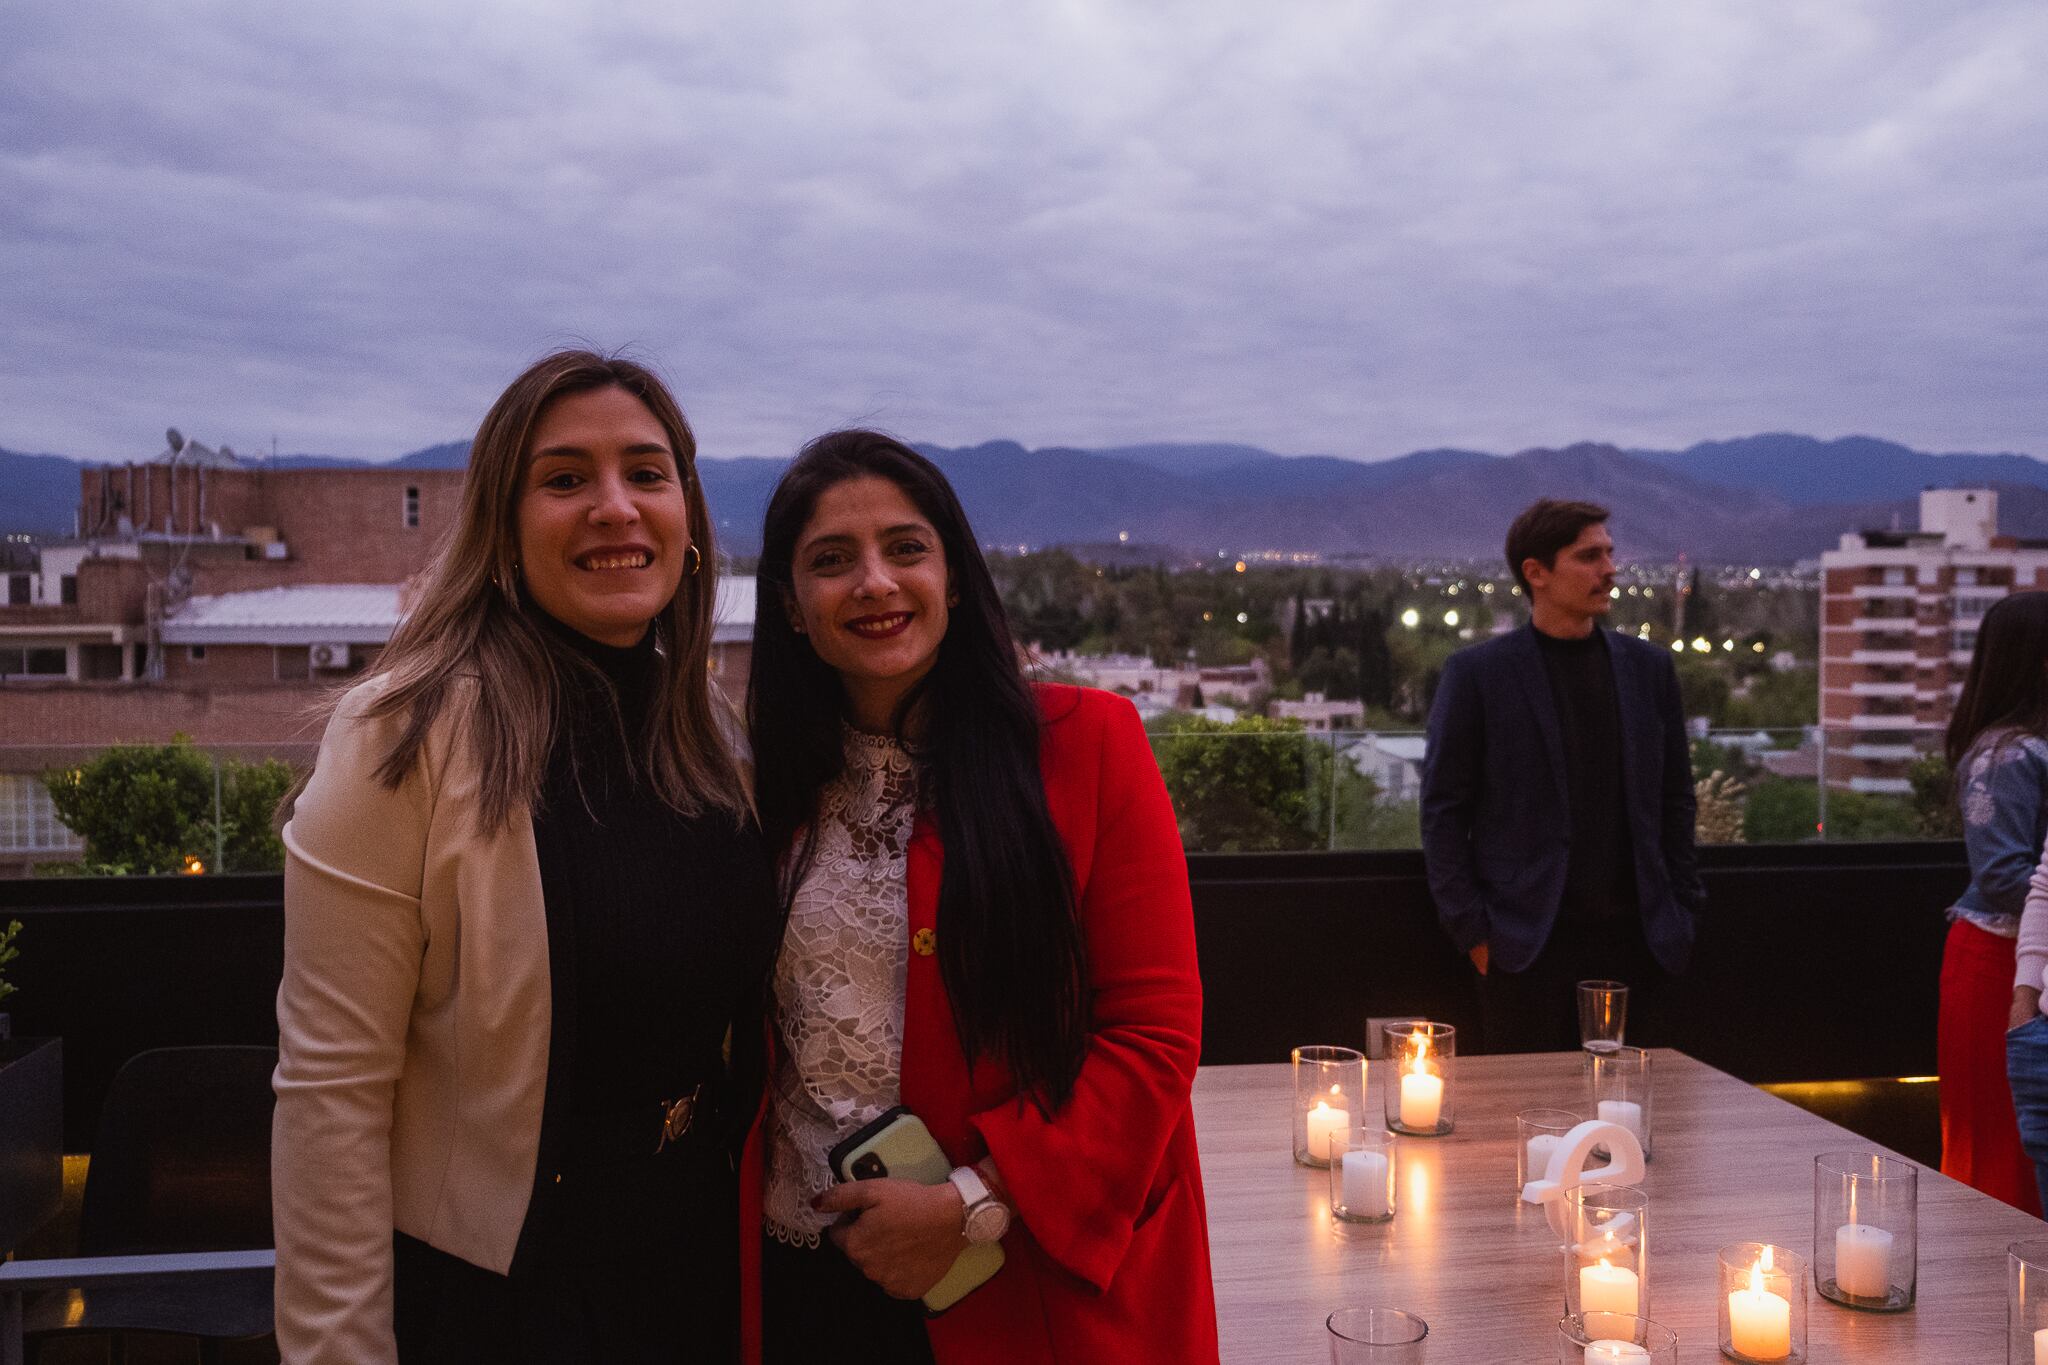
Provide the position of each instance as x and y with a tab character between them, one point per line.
1496	828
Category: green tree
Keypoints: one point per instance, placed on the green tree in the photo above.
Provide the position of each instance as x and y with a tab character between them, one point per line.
1776	701
1703	688
1243	786
1934	798
150	808
8	952
1788	811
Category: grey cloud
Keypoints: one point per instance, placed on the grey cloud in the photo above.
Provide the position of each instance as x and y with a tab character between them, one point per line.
1353	228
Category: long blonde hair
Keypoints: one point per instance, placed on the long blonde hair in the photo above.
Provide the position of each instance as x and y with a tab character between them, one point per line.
469	629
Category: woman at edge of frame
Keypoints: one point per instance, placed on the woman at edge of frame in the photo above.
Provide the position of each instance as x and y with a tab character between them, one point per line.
2001	726
524	898
1022	971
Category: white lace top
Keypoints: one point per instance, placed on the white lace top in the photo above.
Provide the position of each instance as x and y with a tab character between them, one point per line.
839	981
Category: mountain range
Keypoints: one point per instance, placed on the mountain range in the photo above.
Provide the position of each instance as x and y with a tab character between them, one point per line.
1767	499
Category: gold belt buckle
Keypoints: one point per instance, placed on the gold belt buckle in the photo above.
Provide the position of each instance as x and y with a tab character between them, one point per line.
677	1117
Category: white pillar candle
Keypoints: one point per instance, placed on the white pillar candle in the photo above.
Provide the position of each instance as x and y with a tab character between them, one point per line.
1323	1120
1422	1099
1605	1288
1612	1352
1365	1184
1628	1114
1540	1149
1863	1261
2041	1347
1759	1322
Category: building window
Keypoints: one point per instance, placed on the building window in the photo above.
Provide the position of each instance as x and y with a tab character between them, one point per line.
28	822
1965	577
30	662
195	654
412	507
1896	576
1966	639
67	589
17	589
290	663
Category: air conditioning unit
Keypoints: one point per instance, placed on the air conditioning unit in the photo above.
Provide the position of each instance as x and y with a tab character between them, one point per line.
328	656
276	549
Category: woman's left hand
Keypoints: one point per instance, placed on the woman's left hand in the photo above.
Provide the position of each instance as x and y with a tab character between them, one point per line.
907	1235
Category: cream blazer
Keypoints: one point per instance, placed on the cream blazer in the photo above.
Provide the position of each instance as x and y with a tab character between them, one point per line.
413	1023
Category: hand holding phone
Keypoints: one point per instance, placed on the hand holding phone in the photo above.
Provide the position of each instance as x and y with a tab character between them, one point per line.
897	1145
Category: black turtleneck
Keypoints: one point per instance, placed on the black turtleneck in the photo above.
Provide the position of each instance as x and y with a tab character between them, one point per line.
1599	879
658	923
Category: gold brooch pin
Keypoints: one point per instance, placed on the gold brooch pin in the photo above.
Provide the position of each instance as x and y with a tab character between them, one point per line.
924	943
676	1118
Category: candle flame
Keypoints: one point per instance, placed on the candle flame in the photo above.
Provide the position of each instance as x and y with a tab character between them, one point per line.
1418	1061
1766	1261
1322	1106
1333	1089
1756	1278
1604	1265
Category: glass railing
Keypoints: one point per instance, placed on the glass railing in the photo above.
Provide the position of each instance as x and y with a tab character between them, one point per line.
1258	786
1244	786
77	810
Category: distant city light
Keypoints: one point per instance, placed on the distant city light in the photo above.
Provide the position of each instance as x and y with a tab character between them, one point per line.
1243	617
1757	648
1678	646
193	867
1486	587
1756	573
1631	590
1648	593
1207	615
1451	618
1614	592
1123	537
1702	645
1727	644
1240	566
1411	618
1516	590
1452	590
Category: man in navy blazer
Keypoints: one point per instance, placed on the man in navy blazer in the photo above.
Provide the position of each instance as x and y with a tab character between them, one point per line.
1557	799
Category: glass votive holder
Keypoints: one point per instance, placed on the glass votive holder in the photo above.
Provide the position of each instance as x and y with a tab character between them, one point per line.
1362	1162
2026	1303
1618	1090
1419	1094
1538	1133
1376	1336
1603	1015
1329	1097
1762	1303
1606	1253
1615	1339
1866	1230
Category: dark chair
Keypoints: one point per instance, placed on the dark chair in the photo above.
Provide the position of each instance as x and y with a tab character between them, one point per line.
180	1163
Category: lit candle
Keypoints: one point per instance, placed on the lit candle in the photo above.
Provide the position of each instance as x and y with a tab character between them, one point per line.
1540	1149
1605	1288
1612	1352
1422	1090
1365	1184
1628	1114
1759	1322
1323	1121
1422	1100
1863	1261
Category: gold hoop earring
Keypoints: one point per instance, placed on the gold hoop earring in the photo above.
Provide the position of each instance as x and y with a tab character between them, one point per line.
693	558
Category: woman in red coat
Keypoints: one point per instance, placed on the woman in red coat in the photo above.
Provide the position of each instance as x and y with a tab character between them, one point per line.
988	923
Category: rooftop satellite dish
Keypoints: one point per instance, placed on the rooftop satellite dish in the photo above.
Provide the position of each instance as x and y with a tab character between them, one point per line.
176	438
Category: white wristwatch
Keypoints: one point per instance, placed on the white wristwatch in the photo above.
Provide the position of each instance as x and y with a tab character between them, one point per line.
986	1217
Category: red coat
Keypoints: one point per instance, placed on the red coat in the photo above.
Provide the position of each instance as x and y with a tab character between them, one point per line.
1108	1259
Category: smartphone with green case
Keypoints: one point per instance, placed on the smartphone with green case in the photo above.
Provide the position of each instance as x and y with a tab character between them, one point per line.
898	1145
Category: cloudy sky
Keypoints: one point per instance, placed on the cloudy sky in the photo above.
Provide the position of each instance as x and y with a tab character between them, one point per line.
1360	227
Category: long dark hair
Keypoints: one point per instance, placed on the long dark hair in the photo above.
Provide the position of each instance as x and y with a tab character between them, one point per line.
2007	685
1009	937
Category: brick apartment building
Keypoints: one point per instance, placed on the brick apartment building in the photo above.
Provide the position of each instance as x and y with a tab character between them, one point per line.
212	598
1899	614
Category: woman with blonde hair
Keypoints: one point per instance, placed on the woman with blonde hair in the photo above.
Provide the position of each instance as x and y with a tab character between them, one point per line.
524	898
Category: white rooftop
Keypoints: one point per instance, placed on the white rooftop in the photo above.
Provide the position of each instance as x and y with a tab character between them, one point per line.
361	614
312	613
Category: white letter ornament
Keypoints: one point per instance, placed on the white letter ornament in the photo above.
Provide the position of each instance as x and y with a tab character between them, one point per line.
1624	1166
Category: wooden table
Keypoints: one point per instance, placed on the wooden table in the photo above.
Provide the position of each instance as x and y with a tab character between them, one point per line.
1729	1164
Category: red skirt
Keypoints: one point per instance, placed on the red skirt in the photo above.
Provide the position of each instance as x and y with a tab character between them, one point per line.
1980	1138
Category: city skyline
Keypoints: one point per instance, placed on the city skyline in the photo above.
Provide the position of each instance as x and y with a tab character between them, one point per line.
1356	231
